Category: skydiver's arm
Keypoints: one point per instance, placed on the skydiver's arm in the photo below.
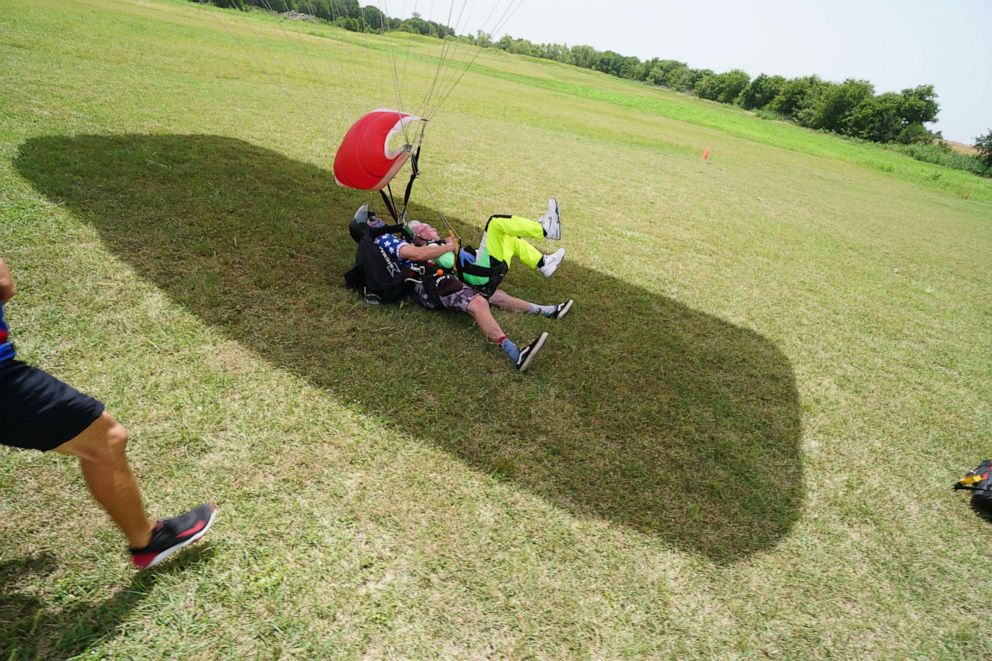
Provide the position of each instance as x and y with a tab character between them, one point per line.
7	288
423	253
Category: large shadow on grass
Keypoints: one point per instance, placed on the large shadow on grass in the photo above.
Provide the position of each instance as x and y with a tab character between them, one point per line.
33	628
640	410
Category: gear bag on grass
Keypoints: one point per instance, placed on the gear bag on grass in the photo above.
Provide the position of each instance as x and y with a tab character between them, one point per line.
979	483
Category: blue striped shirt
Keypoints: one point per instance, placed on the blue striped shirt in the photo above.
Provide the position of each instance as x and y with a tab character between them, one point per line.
392	244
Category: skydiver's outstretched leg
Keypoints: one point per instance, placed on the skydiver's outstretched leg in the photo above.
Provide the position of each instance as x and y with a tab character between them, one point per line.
504	301
478	309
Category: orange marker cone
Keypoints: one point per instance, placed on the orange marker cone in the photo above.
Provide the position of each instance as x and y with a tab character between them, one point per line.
706	154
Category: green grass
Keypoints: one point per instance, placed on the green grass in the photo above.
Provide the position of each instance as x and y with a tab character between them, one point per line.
740	442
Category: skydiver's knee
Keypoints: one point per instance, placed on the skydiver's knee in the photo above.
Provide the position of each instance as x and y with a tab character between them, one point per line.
478	306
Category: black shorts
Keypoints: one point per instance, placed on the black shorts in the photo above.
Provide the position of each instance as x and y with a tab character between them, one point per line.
39	412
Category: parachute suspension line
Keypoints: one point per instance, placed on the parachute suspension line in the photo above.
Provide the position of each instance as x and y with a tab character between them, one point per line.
323	94
215	12
249	21
414	170
395	71
409	44
308	51
440	213
375	81
399	214
450	52
448	47
445	52
313	12
296	50
508	13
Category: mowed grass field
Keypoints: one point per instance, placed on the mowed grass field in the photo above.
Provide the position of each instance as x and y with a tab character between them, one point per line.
740	443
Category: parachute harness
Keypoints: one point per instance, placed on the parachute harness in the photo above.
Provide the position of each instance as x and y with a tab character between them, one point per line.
400	216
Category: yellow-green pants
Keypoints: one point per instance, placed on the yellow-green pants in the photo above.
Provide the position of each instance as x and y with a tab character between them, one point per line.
504	239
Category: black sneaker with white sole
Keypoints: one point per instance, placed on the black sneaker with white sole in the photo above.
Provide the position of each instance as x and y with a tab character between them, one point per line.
172	534
528	352
561	309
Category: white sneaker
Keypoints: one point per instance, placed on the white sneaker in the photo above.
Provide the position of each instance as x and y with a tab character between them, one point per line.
551	221
551	262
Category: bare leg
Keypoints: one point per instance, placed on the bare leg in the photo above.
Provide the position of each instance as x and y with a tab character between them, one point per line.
100	448
504	301
478	308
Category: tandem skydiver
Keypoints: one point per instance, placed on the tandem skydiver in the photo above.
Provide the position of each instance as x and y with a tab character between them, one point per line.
469	282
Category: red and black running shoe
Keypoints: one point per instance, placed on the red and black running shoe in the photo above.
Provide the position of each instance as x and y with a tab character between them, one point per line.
172	534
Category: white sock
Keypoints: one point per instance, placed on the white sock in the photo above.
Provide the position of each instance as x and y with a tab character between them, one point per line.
546	310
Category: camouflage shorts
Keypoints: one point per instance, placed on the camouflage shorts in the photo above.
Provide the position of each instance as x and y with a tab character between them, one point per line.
457	301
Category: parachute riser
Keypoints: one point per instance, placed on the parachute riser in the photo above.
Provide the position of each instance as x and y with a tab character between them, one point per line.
414	171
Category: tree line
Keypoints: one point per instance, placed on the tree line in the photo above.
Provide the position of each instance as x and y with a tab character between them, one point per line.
850	108
347	14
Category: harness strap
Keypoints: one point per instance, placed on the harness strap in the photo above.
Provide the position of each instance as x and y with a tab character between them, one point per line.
480	271
388	200
414	173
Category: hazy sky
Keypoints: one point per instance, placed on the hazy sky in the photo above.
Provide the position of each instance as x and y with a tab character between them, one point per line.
892	43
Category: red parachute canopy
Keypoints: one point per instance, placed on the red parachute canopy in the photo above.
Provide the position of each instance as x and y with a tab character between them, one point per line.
364	159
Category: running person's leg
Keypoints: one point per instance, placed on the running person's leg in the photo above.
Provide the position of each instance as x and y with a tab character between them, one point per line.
42	413
100	450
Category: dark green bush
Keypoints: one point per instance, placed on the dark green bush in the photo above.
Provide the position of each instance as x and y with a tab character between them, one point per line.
983	144
940	154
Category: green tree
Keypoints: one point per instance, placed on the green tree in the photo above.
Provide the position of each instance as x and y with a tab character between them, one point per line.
797	96
610	62
877	118
685	79
555	52
483	39
834	107
732	83
760	92
373	20
914	134
660	71
983	144
722	87
583	56
919	105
